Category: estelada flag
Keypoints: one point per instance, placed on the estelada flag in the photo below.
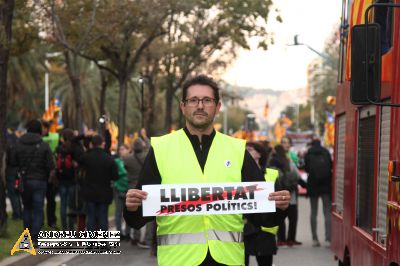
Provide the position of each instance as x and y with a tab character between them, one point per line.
266	109
357	16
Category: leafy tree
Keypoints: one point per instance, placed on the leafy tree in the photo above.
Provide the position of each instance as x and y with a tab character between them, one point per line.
68	24
26	68
122	39
203	29
25	84
236	117
326	80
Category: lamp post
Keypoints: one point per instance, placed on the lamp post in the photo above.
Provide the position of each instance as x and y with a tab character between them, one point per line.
296	42
329	60
141	83
46	87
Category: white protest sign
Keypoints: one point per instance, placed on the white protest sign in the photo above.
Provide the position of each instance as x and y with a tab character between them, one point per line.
208	198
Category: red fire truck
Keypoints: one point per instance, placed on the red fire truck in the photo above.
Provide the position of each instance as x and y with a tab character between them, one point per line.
366	183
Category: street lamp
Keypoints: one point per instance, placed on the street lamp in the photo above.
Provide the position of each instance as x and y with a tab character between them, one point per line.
141	83
328	59
296	42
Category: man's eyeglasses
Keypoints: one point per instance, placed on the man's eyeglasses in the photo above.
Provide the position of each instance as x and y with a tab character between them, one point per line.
206	101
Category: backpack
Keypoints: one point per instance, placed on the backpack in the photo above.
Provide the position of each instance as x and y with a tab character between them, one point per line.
320	166
64	162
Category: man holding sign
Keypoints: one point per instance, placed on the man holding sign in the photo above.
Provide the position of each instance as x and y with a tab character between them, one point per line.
201	167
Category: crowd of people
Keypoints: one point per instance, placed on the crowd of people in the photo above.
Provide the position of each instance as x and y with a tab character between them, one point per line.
87	177
81	169
264	242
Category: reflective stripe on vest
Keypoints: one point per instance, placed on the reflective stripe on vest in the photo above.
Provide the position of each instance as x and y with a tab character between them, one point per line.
271	175
199	238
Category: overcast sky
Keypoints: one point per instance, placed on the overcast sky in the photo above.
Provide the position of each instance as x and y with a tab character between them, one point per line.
284	67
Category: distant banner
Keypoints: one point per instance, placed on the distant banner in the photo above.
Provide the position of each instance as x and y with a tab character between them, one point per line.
208	198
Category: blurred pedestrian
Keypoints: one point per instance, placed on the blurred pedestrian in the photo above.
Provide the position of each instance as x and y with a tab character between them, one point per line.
318	165
35	163
67	154
145	139
260	241
134	163
52	139
120	188
11	173
100	169
289	178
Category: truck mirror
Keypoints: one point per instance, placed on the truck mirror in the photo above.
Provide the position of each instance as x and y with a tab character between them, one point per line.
360	77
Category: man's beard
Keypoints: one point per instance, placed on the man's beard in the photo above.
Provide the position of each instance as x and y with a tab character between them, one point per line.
200	124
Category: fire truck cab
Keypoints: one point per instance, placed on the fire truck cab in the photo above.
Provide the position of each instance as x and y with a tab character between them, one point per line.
366	179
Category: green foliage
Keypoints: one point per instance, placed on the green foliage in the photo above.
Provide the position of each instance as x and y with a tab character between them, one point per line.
26	86
326	82
167	40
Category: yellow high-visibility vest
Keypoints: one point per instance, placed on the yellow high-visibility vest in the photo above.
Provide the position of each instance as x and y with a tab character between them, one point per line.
271	175
185	240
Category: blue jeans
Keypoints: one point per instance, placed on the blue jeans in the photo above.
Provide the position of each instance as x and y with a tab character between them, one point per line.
66	196
33	200
14	197
119	207
97	216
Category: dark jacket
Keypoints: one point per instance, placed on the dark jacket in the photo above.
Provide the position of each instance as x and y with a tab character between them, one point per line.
258	242
319	179
66	175
33	156
288	178
133	165
11	168
100	168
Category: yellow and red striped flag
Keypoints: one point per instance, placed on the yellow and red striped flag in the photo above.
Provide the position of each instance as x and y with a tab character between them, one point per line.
357	16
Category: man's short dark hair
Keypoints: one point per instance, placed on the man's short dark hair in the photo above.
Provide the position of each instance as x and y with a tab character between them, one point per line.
97	140
316	142
34	126
201	80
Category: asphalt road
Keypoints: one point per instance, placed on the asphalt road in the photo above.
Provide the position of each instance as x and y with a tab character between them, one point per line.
300	255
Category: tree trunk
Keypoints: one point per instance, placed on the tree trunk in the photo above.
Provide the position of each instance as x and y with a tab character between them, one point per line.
169	97
103	91
6	16
73	71
123	91
150	107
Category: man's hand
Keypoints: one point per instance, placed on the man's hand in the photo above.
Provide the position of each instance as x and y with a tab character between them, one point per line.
281	198
134	198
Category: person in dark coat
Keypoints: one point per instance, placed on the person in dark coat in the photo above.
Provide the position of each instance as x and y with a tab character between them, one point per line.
34	158
100	169
289	179
52	189
256	241
318	165
67	154
11	173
